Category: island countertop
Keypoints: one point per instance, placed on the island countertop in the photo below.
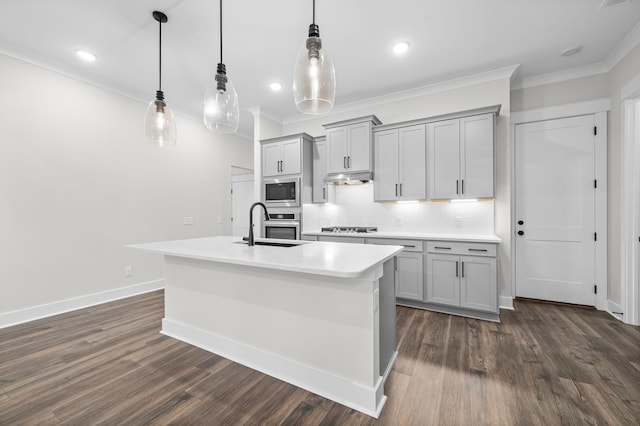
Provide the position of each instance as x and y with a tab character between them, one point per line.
320	258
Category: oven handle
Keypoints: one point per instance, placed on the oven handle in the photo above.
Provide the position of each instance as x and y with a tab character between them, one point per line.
281	222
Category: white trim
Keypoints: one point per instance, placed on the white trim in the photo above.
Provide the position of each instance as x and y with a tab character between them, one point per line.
559	76
353	395
506	302
615	310
630	209
598	107
630	41
457	83
42	311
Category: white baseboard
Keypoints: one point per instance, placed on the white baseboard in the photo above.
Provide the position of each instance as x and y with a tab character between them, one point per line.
615	310
505	302
368	400
42	311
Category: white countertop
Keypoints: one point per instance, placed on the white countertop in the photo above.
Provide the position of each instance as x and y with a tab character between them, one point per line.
413	236
321	258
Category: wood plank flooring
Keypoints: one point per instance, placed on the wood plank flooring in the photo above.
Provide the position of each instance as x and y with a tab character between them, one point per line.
108	364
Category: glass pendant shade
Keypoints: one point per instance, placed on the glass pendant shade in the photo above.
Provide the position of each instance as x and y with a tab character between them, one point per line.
160	123
314	78
221	109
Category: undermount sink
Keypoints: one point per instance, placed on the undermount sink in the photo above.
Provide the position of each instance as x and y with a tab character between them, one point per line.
272	244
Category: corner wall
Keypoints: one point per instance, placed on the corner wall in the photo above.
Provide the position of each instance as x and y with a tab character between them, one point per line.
78	183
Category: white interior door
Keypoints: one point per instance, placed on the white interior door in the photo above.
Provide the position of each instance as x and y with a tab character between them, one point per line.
241	200
555	210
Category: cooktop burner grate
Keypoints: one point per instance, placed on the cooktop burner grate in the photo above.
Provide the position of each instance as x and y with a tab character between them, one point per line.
350	229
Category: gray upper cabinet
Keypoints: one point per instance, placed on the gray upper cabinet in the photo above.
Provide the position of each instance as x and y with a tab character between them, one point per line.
349	145
400	164
461	157
322	192
283	155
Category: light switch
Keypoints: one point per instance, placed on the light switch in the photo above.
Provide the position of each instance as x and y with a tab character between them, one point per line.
187	220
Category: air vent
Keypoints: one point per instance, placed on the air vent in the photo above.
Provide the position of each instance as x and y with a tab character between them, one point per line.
611	3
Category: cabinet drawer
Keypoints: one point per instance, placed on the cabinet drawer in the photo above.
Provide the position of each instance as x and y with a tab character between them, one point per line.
465	249
409	245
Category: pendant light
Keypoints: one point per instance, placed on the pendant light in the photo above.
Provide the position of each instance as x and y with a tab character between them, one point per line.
314	79
159	121
221	112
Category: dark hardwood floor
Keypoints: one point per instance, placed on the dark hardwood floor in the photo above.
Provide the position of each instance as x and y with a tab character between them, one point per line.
544	364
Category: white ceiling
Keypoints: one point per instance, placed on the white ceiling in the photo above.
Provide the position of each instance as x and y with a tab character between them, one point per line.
449	39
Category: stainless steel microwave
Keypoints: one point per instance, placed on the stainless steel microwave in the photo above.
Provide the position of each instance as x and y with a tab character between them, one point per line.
281	192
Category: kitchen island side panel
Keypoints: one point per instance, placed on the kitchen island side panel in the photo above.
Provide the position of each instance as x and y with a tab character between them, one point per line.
326	323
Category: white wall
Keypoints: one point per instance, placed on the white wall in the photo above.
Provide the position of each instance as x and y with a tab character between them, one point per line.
78	183
465	96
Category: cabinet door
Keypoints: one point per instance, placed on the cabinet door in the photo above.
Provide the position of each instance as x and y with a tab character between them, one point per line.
409	277
385	148
359	148
443	141
336	150
443	284
478	283
291	157
320	194
413	163
271	157
476	156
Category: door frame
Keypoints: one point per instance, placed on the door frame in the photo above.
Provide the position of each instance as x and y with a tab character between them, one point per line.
599	108
630	203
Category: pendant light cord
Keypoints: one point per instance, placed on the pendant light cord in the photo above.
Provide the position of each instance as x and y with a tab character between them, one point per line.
221	31
314	12
160	56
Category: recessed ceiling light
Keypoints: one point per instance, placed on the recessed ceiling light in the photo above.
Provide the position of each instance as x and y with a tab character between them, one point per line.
400	47
85	55
275	86
570	51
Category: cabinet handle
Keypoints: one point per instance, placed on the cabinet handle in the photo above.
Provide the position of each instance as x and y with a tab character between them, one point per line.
407	246
442	248
462	186
457	268
324	193
349	162
344	162
478	250
401	190
396	189
457	186
462	269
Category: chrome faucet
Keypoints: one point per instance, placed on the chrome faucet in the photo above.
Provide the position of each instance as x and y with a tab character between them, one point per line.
266	217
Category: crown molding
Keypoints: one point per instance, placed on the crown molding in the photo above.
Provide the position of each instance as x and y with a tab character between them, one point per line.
631	40
457	83
558	76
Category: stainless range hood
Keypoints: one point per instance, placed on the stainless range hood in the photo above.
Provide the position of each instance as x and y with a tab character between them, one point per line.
349	178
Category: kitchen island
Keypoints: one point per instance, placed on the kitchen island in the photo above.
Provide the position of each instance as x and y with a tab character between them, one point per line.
318	315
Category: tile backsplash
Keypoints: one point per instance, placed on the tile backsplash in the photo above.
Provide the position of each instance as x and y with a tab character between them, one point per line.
354	206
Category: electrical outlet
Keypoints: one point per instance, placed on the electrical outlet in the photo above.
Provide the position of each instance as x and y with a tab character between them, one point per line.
128	271
187	220
457	222
398	220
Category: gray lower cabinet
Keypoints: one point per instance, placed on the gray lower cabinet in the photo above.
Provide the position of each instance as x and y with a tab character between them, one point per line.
462	275
409	263
454	277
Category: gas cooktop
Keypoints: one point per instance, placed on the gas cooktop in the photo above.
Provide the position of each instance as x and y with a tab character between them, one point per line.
350	229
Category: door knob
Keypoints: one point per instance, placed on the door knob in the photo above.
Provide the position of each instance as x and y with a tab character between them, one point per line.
521	222
520	232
